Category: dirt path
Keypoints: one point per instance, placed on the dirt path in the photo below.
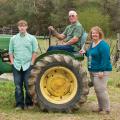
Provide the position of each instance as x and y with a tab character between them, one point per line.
83	114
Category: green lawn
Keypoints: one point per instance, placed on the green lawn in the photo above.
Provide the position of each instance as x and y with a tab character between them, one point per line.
7	102
44	44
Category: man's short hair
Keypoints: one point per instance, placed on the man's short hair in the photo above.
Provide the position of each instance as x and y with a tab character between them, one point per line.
72	12
22	22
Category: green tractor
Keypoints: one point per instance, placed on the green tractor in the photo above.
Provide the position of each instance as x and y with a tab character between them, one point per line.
58	82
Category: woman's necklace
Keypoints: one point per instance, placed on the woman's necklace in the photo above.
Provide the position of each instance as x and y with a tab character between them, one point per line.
95	44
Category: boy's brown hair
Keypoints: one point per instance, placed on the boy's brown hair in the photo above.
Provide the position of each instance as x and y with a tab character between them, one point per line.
22	22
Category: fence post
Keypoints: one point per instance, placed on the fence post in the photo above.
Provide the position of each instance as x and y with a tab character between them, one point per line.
118	52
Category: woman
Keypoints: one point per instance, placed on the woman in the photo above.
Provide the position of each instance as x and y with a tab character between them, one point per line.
99	66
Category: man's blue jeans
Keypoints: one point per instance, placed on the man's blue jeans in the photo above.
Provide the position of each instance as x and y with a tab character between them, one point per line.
68	48
21	79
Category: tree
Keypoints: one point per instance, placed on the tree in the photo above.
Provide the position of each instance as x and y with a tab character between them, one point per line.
36	12
42	13
112	8
60	13
6	12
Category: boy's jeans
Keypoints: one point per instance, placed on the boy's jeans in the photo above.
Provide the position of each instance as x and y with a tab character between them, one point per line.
21	80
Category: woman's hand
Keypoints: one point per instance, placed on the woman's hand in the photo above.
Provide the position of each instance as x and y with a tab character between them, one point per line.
100	75
82	51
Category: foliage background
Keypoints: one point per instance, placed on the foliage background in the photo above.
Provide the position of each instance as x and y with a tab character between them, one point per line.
42	13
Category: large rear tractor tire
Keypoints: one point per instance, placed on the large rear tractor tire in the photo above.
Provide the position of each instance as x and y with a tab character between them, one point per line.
58	83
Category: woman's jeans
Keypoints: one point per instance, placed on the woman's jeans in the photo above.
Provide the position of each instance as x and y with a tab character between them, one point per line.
100	86
21	82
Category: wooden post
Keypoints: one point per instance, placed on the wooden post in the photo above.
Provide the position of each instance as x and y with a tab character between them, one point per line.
118	52
118	38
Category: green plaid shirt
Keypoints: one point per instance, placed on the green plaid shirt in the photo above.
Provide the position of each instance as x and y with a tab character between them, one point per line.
74	30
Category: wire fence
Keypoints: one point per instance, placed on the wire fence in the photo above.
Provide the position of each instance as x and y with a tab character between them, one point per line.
11	30
114	44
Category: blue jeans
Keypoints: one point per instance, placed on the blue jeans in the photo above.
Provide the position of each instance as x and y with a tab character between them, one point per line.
68	48
21	79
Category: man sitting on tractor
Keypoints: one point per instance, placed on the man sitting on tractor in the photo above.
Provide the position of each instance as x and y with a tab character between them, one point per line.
73	36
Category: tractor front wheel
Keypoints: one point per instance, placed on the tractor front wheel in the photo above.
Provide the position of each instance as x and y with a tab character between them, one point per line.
60	83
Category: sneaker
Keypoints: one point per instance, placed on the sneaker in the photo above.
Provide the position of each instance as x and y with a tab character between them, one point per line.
107	112
18	108
97	110
30	107
104	112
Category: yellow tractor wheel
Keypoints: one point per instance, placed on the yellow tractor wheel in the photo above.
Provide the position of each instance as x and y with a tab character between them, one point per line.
60	83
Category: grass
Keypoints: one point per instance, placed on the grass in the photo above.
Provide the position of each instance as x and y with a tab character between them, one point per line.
44	44
7	101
